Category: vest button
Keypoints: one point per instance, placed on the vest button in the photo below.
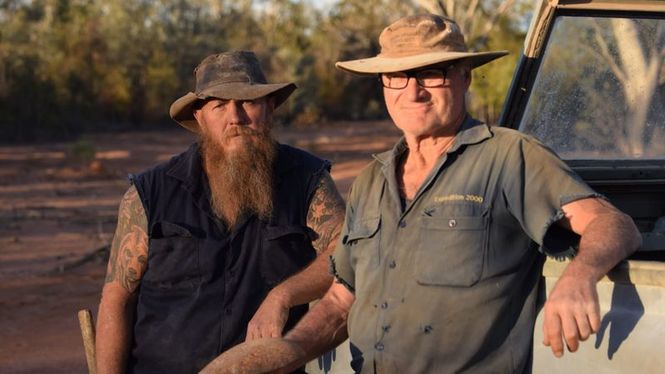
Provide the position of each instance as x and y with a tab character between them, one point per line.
379	346
452	223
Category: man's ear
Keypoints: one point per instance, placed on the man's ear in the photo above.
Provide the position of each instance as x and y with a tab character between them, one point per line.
196	111
467	78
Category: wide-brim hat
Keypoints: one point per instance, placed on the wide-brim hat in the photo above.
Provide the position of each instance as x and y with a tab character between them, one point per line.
234	75
418	41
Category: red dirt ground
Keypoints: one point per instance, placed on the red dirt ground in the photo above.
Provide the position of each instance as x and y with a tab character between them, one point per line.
57	214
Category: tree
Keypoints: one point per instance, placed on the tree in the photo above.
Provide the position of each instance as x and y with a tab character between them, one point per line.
638	65
601	83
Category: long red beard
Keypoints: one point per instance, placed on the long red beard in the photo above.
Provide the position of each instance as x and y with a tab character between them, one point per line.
240	181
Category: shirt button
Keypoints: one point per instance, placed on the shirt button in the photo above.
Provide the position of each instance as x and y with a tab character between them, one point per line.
384	305
392	264
427	329
452	223
378	346
402	224
228	311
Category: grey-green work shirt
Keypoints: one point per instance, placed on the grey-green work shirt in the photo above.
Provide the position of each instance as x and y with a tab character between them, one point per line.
449	283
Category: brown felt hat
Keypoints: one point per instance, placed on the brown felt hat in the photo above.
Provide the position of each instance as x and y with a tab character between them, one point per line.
234	75
417	41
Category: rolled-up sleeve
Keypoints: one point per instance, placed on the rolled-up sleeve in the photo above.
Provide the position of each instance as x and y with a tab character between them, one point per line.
535	192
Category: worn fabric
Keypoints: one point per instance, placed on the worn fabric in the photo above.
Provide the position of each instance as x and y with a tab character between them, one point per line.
449	283
418	41
232	75
203	284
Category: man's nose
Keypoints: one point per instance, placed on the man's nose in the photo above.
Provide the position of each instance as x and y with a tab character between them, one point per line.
237	115
413	90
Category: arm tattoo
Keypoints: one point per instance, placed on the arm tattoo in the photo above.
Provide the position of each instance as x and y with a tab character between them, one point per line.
129	250
326	213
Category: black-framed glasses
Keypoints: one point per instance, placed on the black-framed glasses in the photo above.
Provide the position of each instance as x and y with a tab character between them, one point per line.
428	78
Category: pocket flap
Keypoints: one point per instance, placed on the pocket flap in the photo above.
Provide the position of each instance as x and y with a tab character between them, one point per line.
365	228
277	232
164	229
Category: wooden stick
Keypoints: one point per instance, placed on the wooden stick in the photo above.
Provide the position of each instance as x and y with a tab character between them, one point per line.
88	333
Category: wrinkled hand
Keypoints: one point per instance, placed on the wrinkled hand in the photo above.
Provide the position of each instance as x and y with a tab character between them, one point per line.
269	319
571	314
270	355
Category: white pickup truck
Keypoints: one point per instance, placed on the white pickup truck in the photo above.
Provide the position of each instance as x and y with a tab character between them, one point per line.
591	85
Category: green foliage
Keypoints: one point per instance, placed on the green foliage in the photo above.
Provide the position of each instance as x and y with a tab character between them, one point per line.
491	82
72	66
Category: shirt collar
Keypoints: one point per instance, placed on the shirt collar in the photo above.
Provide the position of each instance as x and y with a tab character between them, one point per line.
471	131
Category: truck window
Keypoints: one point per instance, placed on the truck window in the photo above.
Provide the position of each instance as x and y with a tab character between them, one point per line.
600	90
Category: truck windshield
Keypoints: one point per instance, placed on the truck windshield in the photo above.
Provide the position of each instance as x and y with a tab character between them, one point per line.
600	90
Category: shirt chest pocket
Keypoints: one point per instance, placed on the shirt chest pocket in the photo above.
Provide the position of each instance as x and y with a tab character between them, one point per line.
363	241
286	250
173	258
452	249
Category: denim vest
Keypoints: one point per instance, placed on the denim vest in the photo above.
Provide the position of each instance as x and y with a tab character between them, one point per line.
203	283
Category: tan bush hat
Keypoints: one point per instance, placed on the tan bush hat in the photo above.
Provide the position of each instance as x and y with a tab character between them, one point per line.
234	75
417	41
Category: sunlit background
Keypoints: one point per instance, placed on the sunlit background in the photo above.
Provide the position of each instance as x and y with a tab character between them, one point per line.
76	66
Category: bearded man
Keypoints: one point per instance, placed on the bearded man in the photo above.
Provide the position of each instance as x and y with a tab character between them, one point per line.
227	241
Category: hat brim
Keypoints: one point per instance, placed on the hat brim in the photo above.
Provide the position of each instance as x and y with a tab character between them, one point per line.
182	112
381	64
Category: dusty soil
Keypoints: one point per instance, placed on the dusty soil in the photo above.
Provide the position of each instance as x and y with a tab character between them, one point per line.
58	214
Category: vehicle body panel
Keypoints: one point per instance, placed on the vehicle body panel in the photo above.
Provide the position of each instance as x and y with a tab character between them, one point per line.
628	167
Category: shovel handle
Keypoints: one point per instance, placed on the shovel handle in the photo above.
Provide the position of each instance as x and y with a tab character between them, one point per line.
88	333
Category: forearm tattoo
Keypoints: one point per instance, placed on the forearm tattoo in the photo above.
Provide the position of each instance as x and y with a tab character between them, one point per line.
326	213
129	251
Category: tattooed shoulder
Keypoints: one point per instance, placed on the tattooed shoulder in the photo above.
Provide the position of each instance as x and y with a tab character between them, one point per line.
129	250
326	213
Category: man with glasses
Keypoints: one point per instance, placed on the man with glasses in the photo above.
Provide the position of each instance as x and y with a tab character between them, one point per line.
439	266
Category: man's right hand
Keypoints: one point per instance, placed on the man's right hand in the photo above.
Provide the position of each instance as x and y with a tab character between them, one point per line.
270	318
268	355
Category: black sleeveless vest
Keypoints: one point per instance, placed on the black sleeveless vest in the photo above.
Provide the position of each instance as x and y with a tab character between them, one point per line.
203	284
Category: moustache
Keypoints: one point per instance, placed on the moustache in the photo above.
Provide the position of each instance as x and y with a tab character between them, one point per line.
234	131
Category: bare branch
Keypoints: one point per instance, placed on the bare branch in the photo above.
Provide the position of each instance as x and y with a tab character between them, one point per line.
489	25
605	52
660	36
465	19
449	6
442	8
432	6
493	19
473	5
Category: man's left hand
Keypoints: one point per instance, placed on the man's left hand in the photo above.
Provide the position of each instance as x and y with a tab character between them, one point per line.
571	313
270	318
